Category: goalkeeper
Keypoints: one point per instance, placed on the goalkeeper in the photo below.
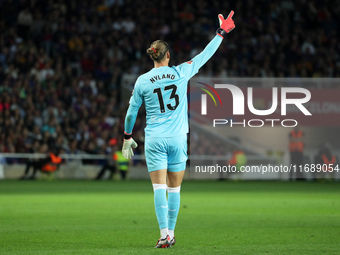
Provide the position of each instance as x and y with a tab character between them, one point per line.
163	90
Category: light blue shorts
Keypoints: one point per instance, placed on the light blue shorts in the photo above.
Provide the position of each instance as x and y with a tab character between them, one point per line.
166	153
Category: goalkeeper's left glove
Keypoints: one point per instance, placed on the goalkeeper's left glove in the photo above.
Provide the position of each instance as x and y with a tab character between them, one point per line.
226	25
128	144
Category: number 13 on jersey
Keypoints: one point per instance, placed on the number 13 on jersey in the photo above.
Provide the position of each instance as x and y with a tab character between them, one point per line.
173	95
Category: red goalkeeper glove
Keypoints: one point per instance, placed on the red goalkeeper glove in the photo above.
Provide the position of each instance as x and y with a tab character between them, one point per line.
226	25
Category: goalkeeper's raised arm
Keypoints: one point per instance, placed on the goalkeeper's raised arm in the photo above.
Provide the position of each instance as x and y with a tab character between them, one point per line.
192	67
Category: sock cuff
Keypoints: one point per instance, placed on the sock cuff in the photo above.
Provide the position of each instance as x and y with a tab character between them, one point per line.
158	186
174	190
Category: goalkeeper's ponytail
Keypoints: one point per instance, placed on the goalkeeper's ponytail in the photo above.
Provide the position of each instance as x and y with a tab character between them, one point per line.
158	50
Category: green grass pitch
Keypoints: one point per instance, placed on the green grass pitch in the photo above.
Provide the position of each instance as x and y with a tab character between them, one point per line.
87	217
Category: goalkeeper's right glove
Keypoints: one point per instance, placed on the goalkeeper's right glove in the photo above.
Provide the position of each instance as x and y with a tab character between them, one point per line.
128	144
226	25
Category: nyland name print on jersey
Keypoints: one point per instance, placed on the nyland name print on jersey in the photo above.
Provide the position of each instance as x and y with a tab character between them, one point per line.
164	76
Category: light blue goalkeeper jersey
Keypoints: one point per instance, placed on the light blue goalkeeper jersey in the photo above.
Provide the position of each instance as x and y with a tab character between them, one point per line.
164	92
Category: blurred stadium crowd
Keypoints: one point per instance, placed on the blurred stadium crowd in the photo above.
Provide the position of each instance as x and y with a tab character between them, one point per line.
62	62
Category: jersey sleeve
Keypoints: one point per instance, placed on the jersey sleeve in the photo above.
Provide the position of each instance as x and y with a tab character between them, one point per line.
136	101
190	68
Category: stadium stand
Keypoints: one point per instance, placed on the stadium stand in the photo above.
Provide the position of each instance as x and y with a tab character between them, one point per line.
61	62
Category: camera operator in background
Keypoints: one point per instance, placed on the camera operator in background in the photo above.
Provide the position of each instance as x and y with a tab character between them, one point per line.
48	165
325	157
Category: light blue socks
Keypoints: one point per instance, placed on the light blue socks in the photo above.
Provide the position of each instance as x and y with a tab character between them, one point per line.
166	210
174	199
161	207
